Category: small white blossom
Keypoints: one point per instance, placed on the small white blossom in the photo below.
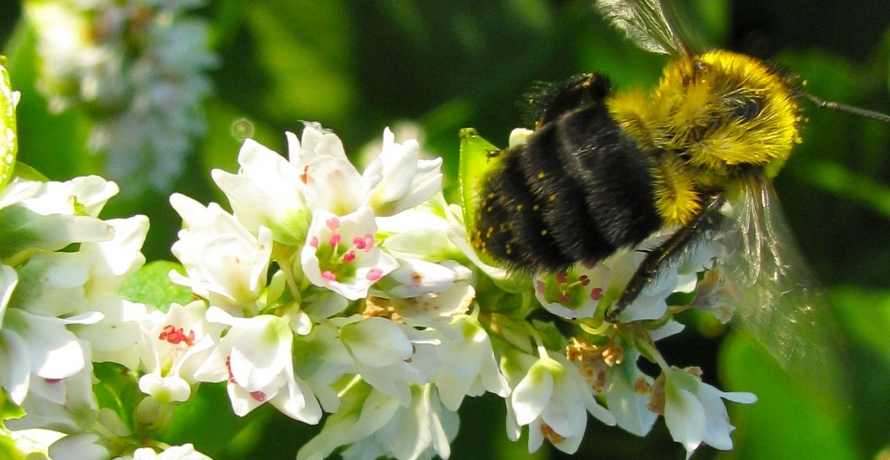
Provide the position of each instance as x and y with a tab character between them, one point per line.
255	357
266	192
341	254
225	262
399	179
183	452
173	346
694	411
552	398
572	294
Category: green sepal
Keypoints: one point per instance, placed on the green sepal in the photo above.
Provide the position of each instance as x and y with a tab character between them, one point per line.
475	162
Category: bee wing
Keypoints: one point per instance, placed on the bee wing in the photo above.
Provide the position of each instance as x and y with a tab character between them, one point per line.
648	23
779	301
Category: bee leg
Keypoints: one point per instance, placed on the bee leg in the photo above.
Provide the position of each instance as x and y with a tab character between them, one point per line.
669	252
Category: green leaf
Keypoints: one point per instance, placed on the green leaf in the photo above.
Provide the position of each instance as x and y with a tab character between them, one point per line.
151	285
9	144
117	389
228	436
786	421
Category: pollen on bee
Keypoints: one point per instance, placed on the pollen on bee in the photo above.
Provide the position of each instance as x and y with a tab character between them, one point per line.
552	198
490	208
518	207
535	208
489	232
540	175
543	232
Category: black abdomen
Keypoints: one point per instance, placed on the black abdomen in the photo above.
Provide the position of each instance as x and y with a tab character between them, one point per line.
577	191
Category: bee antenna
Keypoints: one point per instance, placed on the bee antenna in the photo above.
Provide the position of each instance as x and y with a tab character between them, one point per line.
846	108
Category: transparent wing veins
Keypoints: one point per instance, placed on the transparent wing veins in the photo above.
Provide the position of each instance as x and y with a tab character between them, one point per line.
645	22
777	299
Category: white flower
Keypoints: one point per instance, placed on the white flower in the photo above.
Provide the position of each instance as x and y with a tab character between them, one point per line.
694	411
417	234
378	425
399	179
627	395
331	182
225	263
467	365
651	302
65	404
552	398
341	254
428	294
381	350
266	192
422	430
173	346
572	294
183	452
255	357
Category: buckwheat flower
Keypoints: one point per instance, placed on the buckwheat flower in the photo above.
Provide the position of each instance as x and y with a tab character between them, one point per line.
382	350
627	394
422	430
225	263
400	180
266	192
255	357
329	180
425	294
183	452
572	294
377	425
341	254
552	398
467	365
65	404
174	345
693	410
418	234
651	302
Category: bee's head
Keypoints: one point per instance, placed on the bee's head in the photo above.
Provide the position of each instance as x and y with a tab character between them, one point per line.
721	110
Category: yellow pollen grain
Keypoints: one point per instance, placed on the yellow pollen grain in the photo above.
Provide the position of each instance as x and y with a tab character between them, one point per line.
540	175
552	198
543	232
518	207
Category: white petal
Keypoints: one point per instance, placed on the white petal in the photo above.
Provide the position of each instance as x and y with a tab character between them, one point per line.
376	342
684	417
531	395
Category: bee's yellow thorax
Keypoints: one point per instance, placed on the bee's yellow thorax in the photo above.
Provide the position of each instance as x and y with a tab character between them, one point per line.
710	115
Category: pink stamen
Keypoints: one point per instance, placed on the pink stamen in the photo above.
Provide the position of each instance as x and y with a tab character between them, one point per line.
374	274
314	242
564	297
328	275
335	240
258	395
52	381
584	280
176	336
540	286
359	242
349	256
369	242
333	223
229	370
561	278
596	294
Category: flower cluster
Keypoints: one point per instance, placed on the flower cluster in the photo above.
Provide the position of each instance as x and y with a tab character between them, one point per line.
357	294
61	312
137	68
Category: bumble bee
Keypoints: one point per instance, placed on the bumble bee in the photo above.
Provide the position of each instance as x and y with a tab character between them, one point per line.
605	170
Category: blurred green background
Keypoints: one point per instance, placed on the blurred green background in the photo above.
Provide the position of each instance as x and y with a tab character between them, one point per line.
358	66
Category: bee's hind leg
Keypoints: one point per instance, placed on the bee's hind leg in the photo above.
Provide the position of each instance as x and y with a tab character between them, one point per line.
669	253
